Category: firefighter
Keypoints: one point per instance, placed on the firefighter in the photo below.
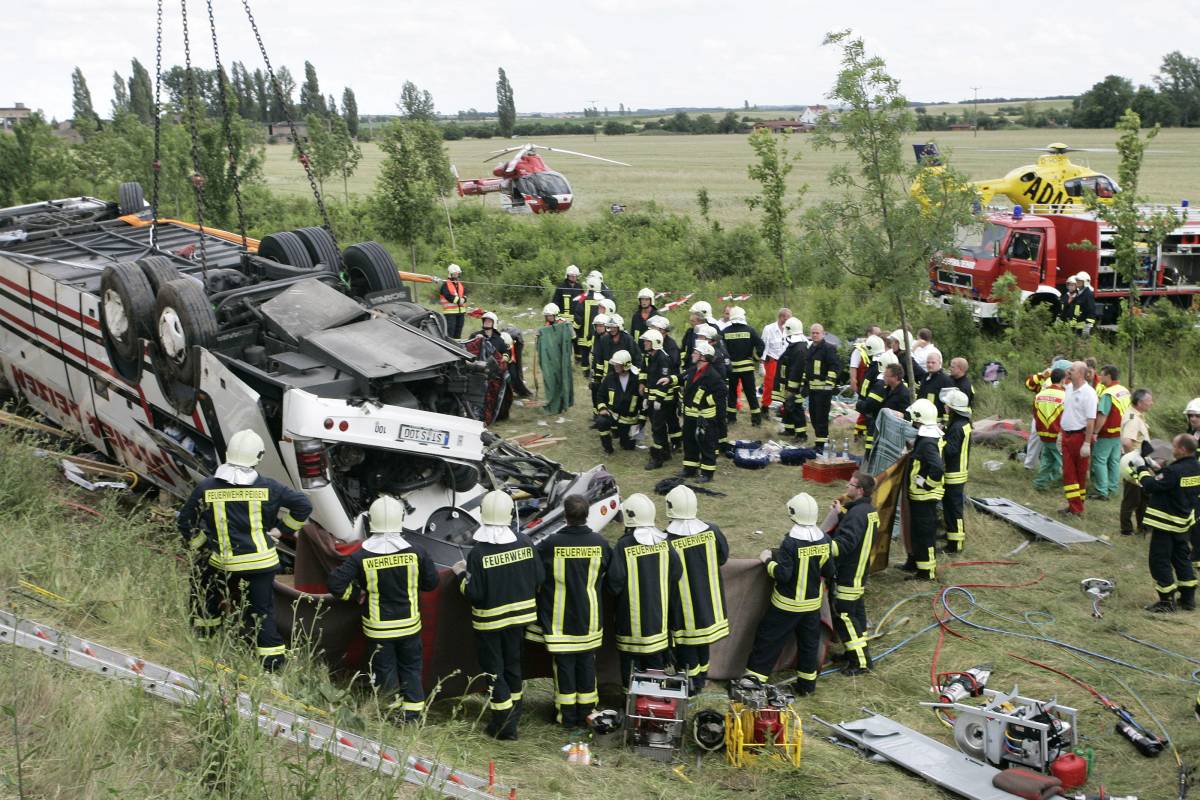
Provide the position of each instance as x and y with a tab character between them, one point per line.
959	368
864	370
620	339
645	310
618	404
500	579
1047	420
1171	499
871	401
659	385
934	383
821	372
702	620
227	521
797	568
926	488
901	343
674	430
390	570
644	577
1192	414
699	314
1080	308
1113	402
598	355
565	293
453	297
604	287
955	455
489	347
720	364
745	348
702	388
853	538
792	379
575	560
584	307
898	397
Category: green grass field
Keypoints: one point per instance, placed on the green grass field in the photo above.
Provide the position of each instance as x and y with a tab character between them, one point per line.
669	169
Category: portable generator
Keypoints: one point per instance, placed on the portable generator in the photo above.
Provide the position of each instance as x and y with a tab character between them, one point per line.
1011	730
761	719
655	710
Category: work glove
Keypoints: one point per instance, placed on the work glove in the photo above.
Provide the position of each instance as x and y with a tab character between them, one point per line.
920	481
657	405
459	567
1085	451
765	556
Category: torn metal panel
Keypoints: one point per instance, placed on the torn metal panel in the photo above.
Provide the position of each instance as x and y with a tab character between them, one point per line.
1033	522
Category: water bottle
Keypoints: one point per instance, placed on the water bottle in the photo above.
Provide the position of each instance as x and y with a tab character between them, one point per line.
846	449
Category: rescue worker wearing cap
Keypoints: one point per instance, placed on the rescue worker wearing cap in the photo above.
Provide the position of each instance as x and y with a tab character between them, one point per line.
1113	403
659	380
453	296
934	383
640	322
853	538
619	403
799	569
699	314
872	401
745	349
791	377
570	623
702	390
956	456
644	577
864	370
227	523
926	488
500	579
389	571
669	346
702	619
584	308
1047	420
1171	500
821	373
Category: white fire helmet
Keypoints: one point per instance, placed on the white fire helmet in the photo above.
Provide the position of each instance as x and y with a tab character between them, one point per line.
638	511
903	338
654	338
646	292
703	308
550	310
490	315
621	358
874	345
454	270
600	319
956	400
594	284
615	321
659	322
1083	277
681	503
1193	407
886	358
737	314
572	271
923	412
705	349
506	337
387	515
793	327
245	449
802	508
1131	464
707	332
610	305
496	509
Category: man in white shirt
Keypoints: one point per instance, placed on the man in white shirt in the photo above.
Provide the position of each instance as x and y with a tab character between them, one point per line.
924	346
1079	414
774	343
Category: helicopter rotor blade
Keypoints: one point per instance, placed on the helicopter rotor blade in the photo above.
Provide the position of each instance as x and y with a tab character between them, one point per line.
498	153
585	155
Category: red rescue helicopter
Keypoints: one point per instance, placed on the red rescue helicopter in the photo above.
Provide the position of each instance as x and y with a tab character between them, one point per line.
526	184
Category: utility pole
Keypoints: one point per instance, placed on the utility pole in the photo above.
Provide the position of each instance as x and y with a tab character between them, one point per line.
594	121
975	113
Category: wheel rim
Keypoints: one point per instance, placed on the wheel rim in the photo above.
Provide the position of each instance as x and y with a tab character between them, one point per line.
171	335
115	317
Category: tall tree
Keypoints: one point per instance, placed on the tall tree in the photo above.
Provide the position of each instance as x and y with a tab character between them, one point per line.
1179	80
882	229
1103	104
506	106
81	103
287	87
414	170
350	111
770	171
332	151
311	99
262	96
331	106
120	101
141	93
416	104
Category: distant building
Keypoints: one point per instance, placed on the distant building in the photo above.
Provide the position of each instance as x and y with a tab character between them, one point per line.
281	131
784	126
812	114
66	130
961	126
11	116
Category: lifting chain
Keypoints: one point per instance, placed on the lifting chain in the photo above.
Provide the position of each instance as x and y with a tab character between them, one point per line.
287	110
156	164
222	89
190	111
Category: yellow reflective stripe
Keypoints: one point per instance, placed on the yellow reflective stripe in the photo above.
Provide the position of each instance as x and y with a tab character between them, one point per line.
245	563
806	676
277	650
501	705
221	523
789	604
685	596
291	522
349	593
642	644
257	534
583	699
507	622
520	605
391	630
593	577
197	541
762	678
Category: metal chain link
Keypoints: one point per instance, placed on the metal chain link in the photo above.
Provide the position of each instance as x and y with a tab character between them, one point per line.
190	111
228	128
156	164
286	106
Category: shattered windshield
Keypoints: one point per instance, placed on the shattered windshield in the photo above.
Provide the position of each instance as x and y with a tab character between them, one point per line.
980	239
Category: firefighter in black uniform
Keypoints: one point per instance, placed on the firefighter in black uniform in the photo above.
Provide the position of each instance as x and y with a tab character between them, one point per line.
926	488
702	621
584	308
1171	498
699	314
797	567
391	571
934	383
872	396
565	293
720	364
598	354
701	403
646	603
858	522
639	323
955	455
226	523
821	374
659	385
500	579
674	430
746	349
571	611
790	377
618	403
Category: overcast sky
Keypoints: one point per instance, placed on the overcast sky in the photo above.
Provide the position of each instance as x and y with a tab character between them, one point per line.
561	56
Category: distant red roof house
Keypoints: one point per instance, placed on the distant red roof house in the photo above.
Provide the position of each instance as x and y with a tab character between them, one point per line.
784	125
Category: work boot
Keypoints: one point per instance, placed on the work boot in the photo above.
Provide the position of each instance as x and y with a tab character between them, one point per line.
756	420
705	477
628	444
731	419
607	445
688	472
653	463
1187	598
508	731
854	669
1165	605
907	566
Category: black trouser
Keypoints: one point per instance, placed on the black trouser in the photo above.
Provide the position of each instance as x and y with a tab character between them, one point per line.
454	325
773	632
1196	546
819	402
795	423
693	659
850	623
952	513
1133	510
719	423
258	601
700	444
746	379
869	437
660	423
582	352
574	687
923	535
606	423
637	662
1171	563
396	665
674	429
500	657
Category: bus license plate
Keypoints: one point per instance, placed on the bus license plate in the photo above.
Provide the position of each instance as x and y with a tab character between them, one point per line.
411	433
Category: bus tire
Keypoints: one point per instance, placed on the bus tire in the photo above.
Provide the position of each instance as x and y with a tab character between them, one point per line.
286	248
369	268
184	320
126	309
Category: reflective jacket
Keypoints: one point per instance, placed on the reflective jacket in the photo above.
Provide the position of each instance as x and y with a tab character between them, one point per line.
1113	401
603	349
564	296
1080	310
584	308
501	583
745	347
956	449
1172	496
392	582
931	389
622	403
657	366
926	464
867	375
637	323
671	348
1047	412
702	391
570	606
822	367
852	542
231	522
453	297
702	617
645	580
792	364
797	569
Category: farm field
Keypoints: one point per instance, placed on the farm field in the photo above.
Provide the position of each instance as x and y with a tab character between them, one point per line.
669	169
